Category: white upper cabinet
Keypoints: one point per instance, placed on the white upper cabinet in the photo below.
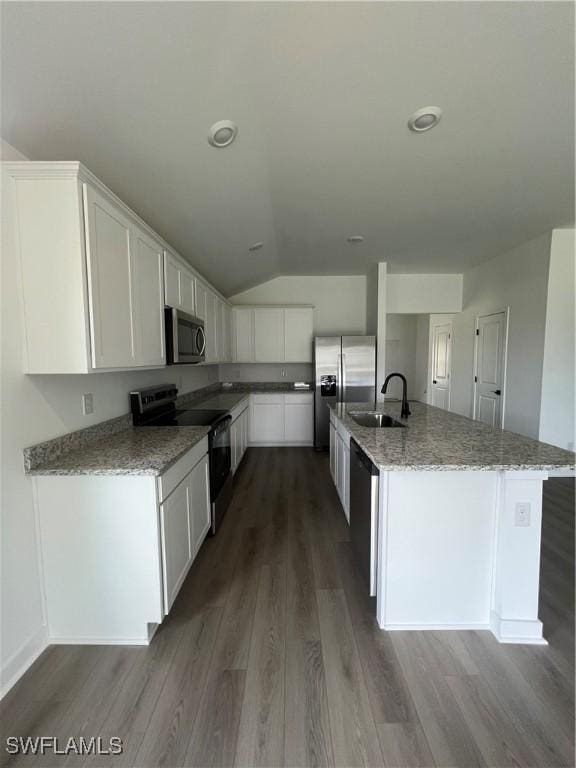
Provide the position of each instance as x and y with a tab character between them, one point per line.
211	327
268	335
147	269
172	297
298	335
179	285
109	243
201	297
272	334
243	335
95	278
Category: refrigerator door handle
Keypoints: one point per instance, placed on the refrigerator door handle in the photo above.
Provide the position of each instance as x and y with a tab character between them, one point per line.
339	380
343	368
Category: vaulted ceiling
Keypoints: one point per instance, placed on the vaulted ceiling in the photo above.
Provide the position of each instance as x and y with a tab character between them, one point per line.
321	93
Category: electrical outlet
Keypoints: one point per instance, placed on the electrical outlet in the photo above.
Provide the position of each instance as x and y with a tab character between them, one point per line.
283	373
88	404
522	514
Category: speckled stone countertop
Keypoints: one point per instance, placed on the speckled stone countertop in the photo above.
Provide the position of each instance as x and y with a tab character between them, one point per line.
133	451
434	439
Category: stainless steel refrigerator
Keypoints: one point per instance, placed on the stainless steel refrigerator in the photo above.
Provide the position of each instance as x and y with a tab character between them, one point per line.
345	372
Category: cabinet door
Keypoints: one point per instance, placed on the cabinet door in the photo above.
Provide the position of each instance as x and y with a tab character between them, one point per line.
299	421
176	541
245	429
267	419
235	443
333	446
346	481
340	471
243	335
226	333
172	297
148	289
211	328
298	335
187	292
222	326
200	511
201	297
108	247
268	335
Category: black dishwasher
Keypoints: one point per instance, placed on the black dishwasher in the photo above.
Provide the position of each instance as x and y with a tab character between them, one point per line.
364	487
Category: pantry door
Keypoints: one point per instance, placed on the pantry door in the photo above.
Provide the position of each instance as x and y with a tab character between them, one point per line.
490	368
441	361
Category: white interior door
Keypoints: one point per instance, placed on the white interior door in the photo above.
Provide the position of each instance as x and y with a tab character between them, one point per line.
490	368
441	362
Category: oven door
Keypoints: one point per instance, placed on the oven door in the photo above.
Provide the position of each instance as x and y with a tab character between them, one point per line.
185	338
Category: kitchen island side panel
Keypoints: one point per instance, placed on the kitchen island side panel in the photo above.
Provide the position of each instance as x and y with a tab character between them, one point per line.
437	544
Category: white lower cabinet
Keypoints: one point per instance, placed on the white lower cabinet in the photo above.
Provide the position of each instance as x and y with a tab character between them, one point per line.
184	521
282	419
239	434
340	465
116	548
176	541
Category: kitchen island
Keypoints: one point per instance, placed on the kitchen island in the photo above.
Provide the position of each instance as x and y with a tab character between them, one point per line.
457	531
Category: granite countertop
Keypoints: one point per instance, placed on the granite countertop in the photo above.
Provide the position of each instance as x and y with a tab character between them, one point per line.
435	439
132	451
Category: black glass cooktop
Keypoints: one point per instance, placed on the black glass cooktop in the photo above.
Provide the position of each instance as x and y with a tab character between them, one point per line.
186	419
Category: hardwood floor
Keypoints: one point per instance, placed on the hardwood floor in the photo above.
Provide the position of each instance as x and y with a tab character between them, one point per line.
272	656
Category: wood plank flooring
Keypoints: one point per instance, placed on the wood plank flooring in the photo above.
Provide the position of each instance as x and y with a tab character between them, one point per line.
272	657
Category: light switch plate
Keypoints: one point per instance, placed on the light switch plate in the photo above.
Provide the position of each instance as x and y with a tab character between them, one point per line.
522	514
88	404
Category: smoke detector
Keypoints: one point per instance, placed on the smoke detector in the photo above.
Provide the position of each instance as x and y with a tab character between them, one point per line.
424	119
222	134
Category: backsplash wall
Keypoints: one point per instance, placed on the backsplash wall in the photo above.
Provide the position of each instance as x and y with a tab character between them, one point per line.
266	372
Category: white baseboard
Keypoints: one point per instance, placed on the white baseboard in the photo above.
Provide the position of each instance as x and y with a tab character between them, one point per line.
434	627
22	660
519	631
99	640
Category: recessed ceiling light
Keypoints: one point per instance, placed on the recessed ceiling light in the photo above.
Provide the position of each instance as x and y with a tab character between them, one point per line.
356	239
222	134
424	119
256	247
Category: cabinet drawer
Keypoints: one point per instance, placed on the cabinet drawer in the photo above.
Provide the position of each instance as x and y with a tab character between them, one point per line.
239	409
178	471
306	398
268	399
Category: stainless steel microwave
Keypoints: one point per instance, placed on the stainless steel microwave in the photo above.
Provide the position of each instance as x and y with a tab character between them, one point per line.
185	338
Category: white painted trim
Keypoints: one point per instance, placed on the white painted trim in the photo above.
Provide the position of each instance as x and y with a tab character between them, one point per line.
506	311
22	660
434	627
562	472
72	640
525	632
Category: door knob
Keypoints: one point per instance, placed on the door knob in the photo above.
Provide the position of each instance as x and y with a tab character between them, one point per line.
434	381
497	392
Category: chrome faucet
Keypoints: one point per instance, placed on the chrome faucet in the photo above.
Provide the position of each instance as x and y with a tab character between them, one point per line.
405	412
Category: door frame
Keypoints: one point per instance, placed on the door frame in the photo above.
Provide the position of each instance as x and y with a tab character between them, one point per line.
506	312
429	385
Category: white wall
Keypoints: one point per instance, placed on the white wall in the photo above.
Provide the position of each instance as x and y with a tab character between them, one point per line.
339	301
401	353
517	279
33	409
557	420
423	294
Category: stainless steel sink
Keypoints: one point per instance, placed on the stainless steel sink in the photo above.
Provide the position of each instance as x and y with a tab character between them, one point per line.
374	419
